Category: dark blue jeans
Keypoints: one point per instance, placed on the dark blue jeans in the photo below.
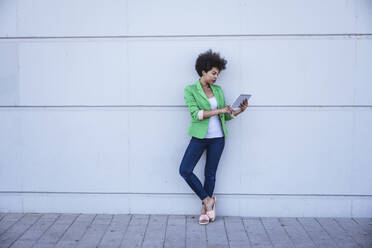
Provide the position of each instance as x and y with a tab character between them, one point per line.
194	151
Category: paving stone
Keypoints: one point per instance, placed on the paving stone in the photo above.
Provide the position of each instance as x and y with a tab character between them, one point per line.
116	231
76	231
52	230
155	233
95	231
319	236
278	235
366	224
57	230
136	231
15	231
355	231
236	233
23	244
196	235
296	233
9	220
29	238
176	232
256	232
42	245
339	235
216	233
2	215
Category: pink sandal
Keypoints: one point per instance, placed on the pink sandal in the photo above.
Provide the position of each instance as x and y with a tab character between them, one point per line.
203	219
212	214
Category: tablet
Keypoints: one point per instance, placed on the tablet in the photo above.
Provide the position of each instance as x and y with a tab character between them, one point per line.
239	100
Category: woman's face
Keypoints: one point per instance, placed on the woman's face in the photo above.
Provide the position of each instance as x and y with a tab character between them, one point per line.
211	76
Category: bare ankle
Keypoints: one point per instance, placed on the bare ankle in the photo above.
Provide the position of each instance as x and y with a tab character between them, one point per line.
204	209
206	200
208	203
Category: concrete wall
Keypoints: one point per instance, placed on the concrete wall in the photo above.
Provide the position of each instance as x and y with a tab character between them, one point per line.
93	117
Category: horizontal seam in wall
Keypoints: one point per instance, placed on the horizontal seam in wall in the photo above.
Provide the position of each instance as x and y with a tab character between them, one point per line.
169	193
187	36
180	106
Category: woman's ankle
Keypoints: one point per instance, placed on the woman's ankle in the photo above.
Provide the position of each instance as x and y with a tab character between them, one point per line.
208	203
204	209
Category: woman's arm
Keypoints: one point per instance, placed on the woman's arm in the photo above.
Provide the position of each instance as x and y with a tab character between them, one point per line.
236	112
242	106
191	103
209	113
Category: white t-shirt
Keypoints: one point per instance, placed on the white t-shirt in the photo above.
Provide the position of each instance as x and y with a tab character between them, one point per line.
214	128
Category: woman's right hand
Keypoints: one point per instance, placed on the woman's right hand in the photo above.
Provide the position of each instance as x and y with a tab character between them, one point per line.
227	110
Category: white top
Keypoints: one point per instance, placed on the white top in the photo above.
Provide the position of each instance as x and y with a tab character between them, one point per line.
214	128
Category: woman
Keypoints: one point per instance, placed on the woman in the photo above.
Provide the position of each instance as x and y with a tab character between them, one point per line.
208	110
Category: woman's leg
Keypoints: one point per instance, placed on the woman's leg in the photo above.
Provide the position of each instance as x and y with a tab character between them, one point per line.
191	157
214	152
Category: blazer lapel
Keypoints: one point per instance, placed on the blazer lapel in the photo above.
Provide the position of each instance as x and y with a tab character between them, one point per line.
216	93
201	91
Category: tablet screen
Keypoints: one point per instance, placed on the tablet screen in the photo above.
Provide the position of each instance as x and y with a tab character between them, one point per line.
239	100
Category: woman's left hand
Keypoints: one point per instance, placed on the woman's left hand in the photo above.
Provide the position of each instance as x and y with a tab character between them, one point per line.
244	105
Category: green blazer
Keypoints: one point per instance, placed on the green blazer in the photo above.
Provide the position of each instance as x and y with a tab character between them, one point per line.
196	100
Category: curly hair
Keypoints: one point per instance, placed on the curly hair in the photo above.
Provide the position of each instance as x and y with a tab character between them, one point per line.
209	59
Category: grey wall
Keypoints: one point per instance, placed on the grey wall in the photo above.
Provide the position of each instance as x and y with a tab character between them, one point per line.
93	117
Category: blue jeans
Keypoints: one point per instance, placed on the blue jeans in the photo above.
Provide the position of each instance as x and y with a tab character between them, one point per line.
194	151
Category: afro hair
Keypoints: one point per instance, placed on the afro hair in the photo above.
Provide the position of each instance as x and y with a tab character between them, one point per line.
209	59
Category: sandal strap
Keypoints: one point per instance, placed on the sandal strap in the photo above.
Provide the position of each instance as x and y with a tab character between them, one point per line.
211	214
203	217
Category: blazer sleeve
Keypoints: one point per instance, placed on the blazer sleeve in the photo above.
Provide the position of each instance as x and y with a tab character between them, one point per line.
192	105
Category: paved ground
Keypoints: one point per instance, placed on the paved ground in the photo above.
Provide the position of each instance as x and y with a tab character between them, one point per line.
121	230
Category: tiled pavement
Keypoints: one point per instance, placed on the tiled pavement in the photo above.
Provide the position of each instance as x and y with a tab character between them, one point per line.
173	231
